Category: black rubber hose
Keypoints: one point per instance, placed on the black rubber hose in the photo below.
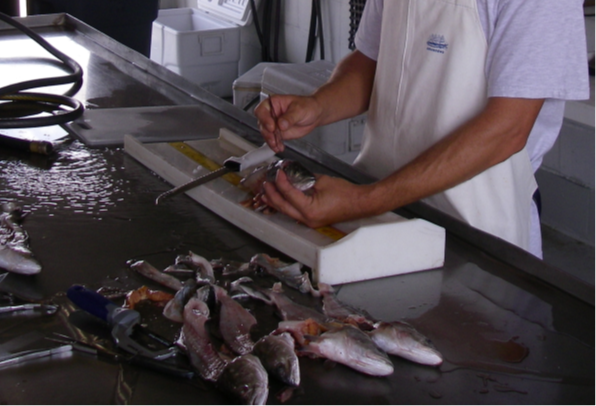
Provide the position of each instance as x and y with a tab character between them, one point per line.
13	94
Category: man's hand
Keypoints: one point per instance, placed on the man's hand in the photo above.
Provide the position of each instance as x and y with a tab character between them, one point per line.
334	200
289	116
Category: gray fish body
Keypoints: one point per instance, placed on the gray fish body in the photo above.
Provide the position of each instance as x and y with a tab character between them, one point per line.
334	308
290	274
18	261
351	347
174	308
277	355
246	378
239	285
290	310
300	177
195	337
235	323
149	271
15	255
403	340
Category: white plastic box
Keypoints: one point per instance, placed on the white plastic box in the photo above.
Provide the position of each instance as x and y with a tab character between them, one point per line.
342	139
202	44
247	87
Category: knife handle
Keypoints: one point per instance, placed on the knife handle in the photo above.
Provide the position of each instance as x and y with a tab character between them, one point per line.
250	159
90	301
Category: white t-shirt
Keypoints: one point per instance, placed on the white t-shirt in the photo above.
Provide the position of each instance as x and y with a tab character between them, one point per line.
536	49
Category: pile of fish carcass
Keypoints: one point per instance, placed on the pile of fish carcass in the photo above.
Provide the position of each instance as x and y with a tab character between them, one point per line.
338	333
15	255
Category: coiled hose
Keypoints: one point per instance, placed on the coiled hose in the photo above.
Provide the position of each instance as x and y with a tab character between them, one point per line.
18	104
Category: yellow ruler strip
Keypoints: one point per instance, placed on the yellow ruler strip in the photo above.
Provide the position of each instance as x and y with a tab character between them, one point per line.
202	160
234	179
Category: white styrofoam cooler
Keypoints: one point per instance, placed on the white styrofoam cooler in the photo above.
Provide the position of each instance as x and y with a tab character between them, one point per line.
248	86
202	44
342	139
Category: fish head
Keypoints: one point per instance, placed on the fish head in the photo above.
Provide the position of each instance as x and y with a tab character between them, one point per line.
300	177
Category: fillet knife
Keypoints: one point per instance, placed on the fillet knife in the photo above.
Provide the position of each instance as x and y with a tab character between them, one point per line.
233	164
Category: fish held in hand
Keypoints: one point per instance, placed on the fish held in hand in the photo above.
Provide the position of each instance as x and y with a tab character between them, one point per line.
401	339
300	177
350	346
246	378
277	355
15	255
195	338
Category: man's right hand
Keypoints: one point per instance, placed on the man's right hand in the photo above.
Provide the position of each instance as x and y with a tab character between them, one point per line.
287	117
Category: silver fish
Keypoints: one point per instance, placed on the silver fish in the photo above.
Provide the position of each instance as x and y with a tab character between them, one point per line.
334	308
277	355
290	274
350	346
15	255
246	378
195	338
240	285
174	308
300	177
149	271
196	262
401	339
290	310
235	323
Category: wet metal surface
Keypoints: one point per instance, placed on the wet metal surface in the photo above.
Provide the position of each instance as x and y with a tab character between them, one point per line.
507	337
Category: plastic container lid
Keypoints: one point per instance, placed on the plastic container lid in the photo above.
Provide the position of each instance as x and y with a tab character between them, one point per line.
236	11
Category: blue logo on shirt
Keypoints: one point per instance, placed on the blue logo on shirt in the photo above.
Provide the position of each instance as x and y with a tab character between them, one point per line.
437	43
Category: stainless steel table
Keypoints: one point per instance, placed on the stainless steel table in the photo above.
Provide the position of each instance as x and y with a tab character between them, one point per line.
511	328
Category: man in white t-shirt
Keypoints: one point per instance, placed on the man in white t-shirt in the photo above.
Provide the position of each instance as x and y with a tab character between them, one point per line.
463	98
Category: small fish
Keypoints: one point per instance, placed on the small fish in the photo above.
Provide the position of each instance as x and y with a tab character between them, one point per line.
235	323
290	274
334	308
15	255
290	310
277	355
230	267
246	378
240	285
302	329
175	307
203	267
300	177
195	338
401	339
350	346
149	271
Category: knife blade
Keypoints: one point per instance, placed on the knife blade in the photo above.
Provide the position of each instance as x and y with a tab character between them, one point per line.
233	164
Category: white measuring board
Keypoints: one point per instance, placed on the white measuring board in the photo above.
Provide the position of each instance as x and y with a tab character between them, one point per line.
370	248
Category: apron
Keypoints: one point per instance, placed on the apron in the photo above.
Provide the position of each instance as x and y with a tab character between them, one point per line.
430	79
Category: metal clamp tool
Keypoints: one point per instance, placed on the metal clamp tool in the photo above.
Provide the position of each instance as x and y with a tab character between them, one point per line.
123	322
233	164
138	360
